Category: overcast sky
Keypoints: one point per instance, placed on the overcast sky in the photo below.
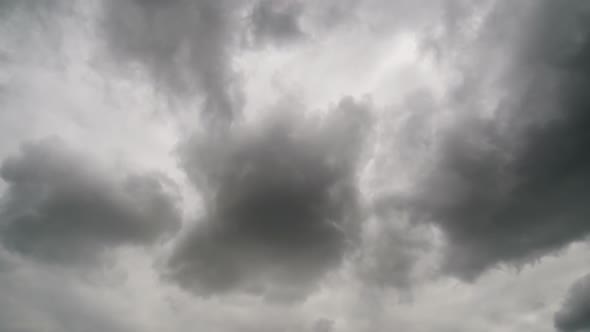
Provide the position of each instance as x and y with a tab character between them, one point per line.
294	165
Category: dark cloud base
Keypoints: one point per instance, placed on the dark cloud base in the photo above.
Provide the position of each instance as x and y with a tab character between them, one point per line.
282	205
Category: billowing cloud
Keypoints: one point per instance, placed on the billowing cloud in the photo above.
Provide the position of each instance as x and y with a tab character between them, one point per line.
471	162
575	312
184	45
281	204
510	188
61	208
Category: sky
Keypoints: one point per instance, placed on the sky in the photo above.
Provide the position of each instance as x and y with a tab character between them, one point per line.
294	165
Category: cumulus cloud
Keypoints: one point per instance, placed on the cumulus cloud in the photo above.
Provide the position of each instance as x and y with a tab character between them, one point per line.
281	204
510	188
61	208
574	315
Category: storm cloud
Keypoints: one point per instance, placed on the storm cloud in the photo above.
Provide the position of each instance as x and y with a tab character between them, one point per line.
60	208
282	204
512	188
290	165
574	315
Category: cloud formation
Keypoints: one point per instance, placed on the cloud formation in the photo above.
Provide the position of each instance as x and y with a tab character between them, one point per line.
184	45
281	204
574	315
323	325
276	22
511	189
472	160
60	208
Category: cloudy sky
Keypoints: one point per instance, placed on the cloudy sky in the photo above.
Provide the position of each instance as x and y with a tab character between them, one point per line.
294	165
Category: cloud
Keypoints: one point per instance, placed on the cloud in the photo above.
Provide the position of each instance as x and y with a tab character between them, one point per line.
480	139
574	315
275	22
185	46
509	188
281	204
323	325
61	208
35	299
391	254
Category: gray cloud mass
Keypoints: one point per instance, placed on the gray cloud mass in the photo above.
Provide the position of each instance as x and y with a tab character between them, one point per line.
513	189
323	325
184	45
59	208
574	315
275	21
281	204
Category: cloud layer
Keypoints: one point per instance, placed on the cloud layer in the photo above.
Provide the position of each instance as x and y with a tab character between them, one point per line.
221	156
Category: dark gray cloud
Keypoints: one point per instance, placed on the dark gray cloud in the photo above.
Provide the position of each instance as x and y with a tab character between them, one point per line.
275	22
184	45
62	209
512	189
574	315
281	204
